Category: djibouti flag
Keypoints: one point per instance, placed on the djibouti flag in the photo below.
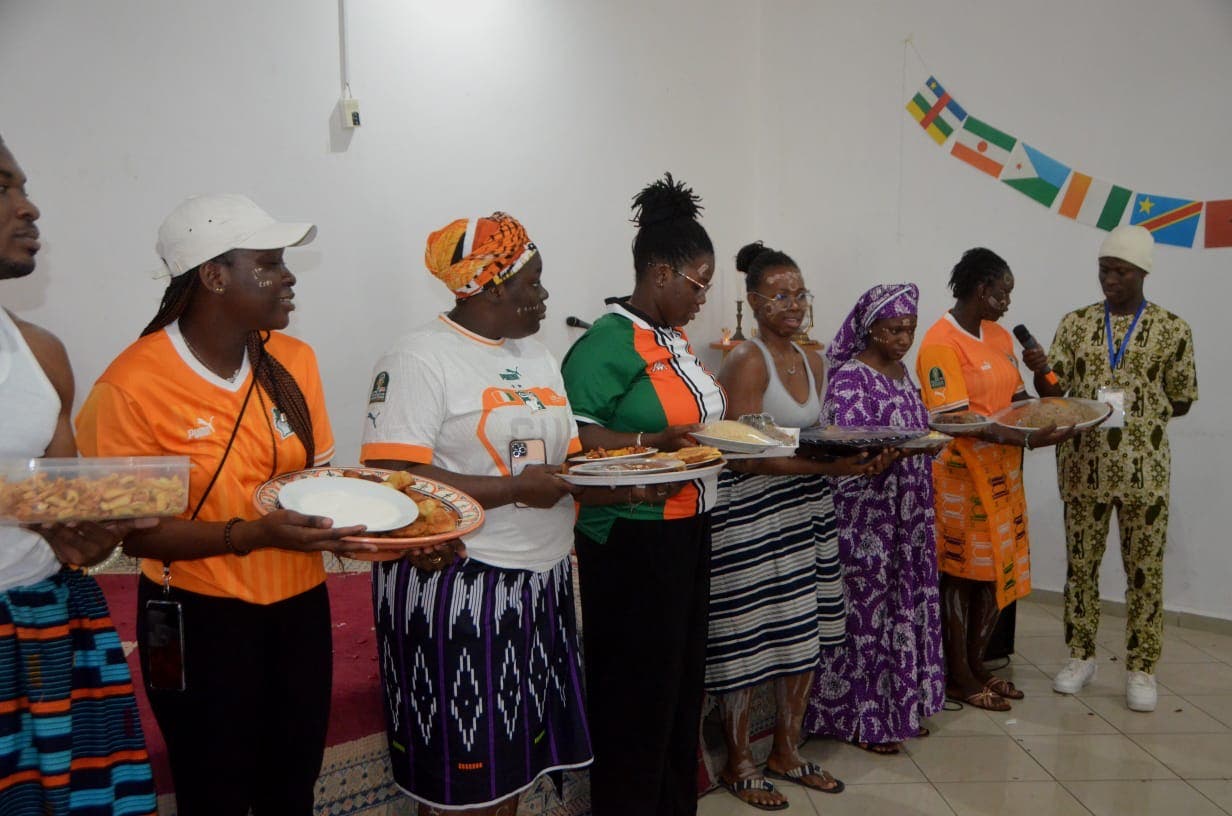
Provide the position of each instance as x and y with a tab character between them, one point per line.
982	146
936	111
1034	175
1171	220
1094	202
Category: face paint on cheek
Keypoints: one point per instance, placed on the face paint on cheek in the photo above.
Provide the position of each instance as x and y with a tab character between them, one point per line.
258	275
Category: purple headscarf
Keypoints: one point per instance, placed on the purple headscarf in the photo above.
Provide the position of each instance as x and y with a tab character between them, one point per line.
884	300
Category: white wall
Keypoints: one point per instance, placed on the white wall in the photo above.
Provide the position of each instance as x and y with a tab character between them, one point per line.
1126	90
786	115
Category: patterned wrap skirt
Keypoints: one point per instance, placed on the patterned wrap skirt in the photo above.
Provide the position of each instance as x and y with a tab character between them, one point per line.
481	675
70	735
776	585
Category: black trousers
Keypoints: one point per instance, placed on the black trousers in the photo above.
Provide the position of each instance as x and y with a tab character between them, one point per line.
249	729
645	593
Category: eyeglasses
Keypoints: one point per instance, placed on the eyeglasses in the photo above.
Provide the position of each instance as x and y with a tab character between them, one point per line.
782	300
703	288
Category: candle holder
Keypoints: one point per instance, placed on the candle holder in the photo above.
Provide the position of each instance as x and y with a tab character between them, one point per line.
738	334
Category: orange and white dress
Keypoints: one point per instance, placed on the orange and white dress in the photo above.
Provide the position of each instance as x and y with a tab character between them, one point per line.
980	502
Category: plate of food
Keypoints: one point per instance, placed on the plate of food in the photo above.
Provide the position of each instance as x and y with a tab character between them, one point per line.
349	502
957	423
848	437
731	436
444	513
628	474
64	489
694	456
606	455
600	467
1064	412
932	439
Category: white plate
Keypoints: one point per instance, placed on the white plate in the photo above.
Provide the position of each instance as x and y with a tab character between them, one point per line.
350	501
937	422
632	479
608	467
1105	410
776	452
728	445
581	457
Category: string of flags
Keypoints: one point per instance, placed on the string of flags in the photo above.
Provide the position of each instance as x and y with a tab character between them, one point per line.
1058	186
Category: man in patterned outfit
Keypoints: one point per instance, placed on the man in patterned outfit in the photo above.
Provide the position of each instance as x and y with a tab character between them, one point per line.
1140	358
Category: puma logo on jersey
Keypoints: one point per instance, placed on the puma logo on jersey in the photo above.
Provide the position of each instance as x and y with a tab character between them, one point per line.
657	367
203	428
372	415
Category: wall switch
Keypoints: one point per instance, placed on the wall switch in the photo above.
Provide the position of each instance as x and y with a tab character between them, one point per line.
350	113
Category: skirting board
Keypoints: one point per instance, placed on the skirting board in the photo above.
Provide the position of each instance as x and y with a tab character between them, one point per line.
1184	620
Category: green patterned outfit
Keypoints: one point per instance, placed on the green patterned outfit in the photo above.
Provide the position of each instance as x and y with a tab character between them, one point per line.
1123	469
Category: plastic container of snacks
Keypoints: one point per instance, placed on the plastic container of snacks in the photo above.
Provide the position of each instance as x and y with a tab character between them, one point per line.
36	491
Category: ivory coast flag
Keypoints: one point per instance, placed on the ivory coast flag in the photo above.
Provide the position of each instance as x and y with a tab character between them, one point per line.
1094	202
983	147
1034	174
936	111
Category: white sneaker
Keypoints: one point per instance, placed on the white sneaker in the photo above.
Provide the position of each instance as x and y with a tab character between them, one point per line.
1140	692
1073	676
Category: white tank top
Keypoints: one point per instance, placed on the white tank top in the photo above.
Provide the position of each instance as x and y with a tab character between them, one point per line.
30	407
778	401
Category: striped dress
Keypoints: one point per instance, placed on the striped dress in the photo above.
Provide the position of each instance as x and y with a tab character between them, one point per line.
70	736
776	593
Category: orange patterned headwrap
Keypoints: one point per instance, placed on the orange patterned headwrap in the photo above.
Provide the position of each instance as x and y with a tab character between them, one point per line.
470	253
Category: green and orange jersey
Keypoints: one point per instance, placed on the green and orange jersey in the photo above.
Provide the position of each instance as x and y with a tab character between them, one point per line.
629	374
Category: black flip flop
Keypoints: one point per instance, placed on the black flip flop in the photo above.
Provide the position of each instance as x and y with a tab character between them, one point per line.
798	773
751	783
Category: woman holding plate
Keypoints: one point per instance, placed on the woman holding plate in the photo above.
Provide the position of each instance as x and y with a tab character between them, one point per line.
875	688
776	590
479	656
966	362
633	379
213	378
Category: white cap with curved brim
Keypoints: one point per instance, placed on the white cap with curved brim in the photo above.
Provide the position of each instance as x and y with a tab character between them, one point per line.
205	226
1130	243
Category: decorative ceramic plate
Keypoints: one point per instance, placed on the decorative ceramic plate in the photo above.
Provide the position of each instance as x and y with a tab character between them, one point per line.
1033	414
467	510
581	457
633	478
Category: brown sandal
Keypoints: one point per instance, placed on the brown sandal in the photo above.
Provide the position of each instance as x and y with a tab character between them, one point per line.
1003	687
987	699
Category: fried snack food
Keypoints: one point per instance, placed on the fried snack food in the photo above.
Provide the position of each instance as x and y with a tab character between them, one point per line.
435	517
45	498
691	455
1047	411
603	453
960	418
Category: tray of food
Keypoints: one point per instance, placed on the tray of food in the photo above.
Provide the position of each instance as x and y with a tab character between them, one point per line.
694	456
731	436
957	423
857	437
441	512
1064	412
608	455
638	472
38	491
932	439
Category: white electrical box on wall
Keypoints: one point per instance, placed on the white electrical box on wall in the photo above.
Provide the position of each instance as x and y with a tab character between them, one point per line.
350	113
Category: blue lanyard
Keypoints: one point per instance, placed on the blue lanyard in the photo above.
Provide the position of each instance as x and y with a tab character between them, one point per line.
1115	356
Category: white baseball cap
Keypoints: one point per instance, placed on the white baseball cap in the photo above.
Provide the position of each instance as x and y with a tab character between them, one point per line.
1130	243
204	227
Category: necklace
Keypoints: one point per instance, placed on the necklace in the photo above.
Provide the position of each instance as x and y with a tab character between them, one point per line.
201	360
790	369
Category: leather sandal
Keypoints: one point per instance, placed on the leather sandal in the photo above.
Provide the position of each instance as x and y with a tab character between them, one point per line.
1003	687
752	783
986	699
798	773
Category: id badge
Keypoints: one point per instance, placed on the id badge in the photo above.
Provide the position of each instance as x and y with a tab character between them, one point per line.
1116	398
164	645
523	452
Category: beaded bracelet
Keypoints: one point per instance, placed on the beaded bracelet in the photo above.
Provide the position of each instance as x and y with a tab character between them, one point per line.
226	537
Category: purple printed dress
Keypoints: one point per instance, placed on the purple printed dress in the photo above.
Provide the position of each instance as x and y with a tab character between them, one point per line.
889	673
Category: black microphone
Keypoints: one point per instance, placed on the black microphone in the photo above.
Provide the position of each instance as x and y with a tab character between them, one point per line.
1029	342
576	322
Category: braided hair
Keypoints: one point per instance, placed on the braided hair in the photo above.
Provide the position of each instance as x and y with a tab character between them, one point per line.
666	213
279	383
755	258
977	266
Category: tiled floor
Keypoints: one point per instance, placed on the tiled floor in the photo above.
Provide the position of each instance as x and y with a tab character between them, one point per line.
1052	755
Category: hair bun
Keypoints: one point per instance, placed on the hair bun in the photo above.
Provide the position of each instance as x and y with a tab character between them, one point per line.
747	254
665	200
